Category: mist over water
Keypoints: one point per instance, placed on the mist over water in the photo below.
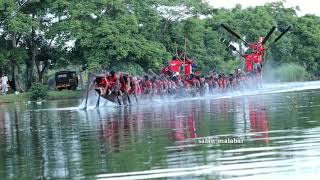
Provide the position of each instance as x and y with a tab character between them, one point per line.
278	125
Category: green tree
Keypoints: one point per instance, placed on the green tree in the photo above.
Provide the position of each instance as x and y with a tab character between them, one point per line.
306	42
25	24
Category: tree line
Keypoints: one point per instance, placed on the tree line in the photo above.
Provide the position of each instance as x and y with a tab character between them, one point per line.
39	35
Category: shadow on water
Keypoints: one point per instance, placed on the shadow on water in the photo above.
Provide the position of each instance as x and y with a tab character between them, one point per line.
280	134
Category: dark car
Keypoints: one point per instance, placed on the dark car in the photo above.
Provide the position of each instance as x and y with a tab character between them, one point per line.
66	80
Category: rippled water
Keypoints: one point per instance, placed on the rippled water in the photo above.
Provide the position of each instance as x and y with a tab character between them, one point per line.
165	139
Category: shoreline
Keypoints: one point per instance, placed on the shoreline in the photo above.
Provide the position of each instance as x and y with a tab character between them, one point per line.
52	95
78	94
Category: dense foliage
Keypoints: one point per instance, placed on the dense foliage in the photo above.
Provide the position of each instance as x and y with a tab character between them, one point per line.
38	91
139	35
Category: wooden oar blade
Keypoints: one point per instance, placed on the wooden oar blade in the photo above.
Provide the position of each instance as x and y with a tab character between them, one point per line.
268	35
284	32
231	32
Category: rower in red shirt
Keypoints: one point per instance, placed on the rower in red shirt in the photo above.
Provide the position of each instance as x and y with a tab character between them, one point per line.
102	85
113	80
135	87
124	83
147	85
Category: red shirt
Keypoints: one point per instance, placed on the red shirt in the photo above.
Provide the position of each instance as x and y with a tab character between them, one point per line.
175	65
103	82
123	87
222	83
197	73
188	67
159	84
249	60
148	84
112	80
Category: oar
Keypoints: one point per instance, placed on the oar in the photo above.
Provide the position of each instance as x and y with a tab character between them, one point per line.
279	37
233	33
268	35
98	102
230	46
85	106
234	49
118	100
129	100
88	89
136	97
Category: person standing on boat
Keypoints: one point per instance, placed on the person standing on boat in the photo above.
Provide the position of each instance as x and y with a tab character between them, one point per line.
4	83
188	67
175	65
249	60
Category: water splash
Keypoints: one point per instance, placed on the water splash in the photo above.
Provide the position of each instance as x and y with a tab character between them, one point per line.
268	88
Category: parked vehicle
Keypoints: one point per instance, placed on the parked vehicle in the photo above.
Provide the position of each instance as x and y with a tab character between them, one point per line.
66	80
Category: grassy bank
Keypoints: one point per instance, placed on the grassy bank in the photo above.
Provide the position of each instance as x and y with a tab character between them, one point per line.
291	72
288	72
52	95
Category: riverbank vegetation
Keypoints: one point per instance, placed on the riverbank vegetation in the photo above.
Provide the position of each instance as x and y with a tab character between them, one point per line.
291	72
51	95
41	36
38	91
288	72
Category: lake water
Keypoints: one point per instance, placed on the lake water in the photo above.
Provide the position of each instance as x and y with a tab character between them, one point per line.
270	133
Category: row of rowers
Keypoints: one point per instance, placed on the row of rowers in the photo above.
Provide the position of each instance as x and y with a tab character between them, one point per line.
120	83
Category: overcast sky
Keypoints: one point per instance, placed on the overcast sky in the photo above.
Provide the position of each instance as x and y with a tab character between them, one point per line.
306	6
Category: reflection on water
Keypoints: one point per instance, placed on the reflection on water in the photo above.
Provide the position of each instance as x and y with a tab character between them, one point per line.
281	136
258	120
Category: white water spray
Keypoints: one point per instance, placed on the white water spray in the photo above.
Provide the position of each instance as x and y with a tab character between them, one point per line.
267	88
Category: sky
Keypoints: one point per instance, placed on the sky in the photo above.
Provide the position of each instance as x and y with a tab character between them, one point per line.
306	6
